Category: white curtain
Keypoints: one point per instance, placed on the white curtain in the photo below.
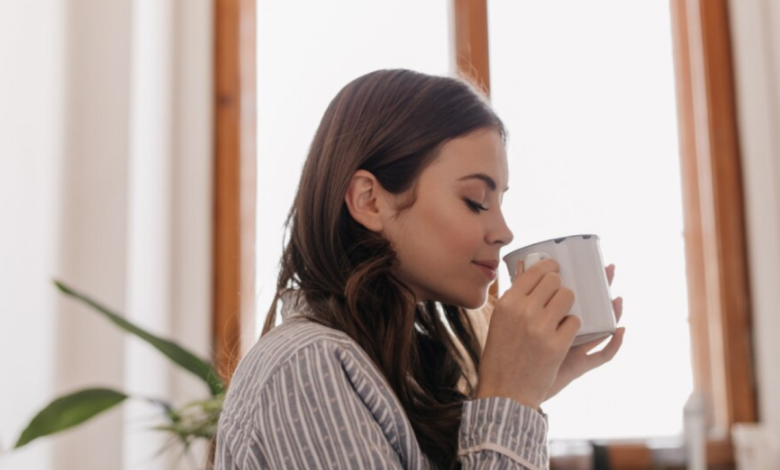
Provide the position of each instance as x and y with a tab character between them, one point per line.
755	29
106	184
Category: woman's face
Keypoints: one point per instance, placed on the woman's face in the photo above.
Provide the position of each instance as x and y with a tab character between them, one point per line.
455	226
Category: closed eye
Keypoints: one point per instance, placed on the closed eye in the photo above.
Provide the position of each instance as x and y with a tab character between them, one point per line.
475	207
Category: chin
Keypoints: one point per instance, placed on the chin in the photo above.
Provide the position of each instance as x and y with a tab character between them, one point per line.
472	302
475	305
469	297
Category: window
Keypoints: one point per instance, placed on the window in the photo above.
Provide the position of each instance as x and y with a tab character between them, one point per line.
326	45
713	224
590	107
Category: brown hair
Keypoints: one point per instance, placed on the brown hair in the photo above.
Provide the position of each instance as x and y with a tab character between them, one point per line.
391	123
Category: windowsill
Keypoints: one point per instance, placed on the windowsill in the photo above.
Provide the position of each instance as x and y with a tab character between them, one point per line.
634	454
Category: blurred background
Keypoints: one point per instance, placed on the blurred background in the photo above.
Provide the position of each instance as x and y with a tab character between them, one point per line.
150	151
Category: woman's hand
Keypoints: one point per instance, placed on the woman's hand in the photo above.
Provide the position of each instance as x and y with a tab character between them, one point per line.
578	362
529	336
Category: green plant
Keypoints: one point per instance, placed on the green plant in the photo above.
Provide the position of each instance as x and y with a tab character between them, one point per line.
185	424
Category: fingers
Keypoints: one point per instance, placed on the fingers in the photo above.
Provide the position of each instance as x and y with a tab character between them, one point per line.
543	293
587	347
605	355
609	351
569	327
617	306
560	305
526	281
617	303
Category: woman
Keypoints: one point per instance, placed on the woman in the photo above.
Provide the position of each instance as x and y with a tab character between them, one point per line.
394	239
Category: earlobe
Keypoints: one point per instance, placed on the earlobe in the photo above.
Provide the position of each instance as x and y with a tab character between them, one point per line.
362	200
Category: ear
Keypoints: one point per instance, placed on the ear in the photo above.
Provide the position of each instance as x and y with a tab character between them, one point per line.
364	200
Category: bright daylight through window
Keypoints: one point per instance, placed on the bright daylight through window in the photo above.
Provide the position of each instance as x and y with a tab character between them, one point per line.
586	90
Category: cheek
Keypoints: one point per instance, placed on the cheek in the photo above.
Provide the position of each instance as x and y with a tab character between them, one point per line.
457	234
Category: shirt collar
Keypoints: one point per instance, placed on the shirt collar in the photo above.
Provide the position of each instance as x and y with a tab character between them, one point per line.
294	304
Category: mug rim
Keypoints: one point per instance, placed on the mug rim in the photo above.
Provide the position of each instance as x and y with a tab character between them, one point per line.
556	239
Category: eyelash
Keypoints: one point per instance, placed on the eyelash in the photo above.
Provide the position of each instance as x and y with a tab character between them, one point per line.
474	206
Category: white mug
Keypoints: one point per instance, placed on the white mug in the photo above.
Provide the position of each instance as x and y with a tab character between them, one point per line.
582	270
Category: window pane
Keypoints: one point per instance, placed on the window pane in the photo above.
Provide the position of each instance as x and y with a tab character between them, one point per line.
586	90
306	52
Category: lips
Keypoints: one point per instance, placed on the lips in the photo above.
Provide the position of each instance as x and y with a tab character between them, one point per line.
488	268
492	263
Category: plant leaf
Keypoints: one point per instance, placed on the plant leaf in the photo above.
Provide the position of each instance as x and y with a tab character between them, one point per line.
173	351
68	411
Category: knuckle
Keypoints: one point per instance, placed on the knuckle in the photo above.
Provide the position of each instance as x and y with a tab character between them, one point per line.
507	298
535	330
529	309
554	279
567	294
554	343
534	326
517	312
561	298
549	347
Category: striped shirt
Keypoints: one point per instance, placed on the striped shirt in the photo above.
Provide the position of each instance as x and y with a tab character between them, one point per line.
308	397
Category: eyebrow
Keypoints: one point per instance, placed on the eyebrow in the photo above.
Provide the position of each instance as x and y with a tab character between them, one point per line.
481	176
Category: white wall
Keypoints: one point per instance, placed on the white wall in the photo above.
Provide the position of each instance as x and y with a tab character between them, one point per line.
755	26
76	86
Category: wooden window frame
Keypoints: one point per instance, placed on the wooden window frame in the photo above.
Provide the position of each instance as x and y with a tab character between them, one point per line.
235	179
715	239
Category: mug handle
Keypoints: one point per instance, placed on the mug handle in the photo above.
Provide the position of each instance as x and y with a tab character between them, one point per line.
534	258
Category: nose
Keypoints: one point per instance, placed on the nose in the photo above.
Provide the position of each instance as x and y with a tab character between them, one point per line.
501	234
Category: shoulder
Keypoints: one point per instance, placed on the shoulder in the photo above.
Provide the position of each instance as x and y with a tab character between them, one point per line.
319	388
297	344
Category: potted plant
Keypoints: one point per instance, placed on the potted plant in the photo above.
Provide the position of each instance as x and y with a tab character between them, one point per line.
185	424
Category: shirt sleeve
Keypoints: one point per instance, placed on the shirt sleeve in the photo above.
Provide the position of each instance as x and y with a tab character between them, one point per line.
500	433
